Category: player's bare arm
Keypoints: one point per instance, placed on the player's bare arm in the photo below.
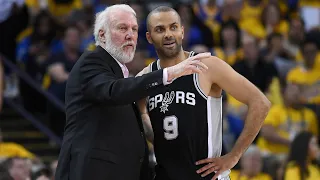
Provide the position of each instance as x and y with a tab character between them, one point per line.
222	76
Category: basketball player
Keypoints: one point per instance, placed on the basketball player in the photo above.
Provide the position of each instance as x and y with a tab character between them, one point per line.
186	117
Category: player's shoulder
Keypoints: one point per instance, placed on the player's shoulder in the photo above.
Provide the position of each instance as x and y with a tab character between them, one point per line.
214	61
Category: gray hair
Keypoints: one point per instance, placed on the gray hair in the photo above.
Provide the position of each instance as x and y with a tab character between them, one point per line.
103	18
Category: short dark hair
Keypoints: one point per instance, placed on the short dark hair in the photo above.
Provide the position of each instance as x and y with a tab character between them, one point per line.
160	9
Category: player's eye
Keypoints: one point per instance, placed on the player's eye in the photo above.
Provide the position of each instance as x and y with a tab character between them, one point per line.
158	30
174	27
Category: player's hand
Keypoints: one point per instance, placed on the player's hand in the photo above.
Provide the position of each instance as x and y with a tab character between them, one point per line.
217	165
189	66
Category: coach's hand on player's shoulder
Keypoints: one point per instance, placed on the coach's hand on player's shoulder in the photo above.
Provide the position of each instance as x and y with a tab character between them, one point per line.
189	66
217	165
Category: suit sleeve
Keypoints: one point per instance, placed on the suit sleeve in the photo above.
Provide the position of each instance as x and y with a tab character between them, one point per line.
100	84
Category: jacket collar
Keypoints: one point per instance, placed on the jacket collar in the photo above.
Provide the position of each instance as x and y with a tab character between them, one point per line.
110	61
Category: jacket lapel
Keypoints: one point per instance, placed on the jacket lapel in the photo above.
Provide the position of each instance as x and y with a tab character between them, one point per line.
110	61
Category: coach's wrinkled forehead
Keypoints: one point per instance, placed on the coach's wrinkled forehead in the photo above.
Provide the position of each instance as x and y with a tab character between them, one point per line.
162	16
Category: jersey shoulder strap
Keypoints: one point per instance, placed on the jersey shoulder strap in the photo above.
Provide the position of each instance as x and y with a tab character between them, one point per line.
155	65
192	53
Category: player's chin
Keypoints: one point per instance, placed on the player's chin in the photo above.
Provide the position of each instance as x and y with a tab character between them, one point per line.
170	52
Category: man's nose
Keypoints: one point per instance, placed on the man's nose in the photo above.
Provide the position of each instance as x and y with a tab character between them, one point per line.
130	34
168	34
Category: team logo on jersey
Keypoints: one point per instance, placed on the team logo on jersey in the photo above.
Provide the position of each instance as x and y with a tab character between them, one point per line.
167	101
162	101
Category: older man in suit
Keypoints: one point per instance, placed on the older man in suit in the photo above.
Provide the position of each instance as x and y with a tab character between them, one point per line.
104	138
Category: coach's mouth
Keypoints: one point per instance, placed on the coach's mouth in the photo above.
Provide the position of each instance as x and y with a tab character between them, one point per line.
128	46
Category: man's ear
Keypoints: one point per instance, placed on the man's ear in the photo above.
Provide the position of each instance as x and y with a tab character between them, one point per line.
102	36
182	31
148	35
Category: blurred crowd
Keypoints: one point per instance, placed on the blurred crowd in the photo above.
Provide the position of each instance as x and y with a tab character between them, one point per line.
273	43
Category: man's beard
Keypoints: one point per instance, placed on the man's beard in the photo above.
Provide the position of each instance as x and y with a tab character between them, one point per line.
118	52
169	53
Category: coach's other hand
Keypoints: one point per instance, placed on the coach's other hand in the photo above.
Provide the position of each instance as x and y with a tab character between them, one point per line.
189	66
217	165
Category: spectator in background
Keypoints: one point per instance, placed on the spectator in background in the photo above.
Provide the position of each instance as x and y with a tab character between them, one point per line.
42	174
276	54
303	151
230	42
40	39
284	122
83	21
18	168
275	48
32	53
230	10
195	31
307	76
58	67
272	21
4	174
253	67
295	38
13	20
11	149
250	15
207	13
62	9
251	166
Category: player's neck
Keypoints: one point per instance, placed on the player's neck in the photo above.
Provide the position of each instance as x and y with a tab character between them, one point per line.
167	62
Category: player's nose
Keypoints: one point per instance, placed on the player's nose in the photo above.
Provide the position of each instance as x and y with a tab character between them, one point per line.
168	34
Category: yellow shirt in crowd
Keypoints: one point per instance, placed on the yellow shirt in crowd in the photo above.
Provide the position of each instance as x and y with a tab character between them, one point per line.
57	9
235	175
293	173
313	3
299	75
287	122
8	150
299	59
231	59
63	9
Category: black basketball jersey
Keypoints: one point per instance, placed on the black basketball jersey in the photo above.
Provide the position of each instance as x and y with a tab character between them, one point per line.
187	127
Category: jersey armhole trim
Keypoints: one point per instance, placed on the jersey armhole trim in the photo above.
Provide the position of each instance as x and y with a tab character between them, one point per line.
197	86
150	66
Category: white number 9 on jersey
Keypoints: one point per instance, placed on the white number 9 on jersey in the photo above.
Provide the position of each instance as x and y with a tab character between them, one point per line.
170	126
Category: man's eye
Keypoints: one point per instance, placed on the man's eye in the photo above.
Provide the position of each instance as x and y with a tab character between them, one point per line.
174	27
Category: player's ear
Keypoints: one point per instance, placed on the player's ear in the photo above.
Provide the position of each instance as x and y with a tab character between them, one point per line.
182	31
148	35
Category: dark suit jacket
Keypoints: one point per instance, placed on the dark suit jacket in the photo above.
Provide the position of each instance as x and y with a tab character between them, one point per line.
104	138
